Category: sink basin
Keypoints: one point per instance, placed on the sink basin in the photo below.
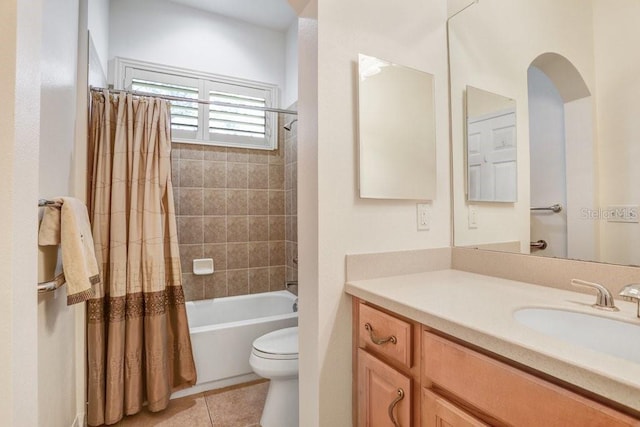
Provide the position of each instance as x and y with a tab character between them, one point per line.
602	334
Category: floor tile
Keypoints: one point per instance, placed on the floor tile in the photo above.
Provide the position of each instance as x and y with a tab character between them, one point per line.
238	407
187	411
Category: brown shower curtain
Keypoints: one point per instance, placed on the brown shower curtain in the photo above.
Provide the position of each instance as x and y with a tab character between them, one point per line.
139	348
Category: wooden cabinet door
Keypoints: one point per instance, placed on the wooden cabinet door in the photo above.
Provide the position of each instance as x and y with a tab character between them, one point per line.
439	412
383	393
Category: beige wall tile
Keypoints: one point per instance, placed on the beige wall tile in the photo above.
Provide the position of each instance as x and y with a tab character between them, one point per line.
276	227
215	285
175	172
258	202
258	228
236	175
191	151
215	201
217	252
237	202
187	254
276	202
237	256
258	280
191	173
190	202
215	229
237	229
190	229
215	174
258	254
258	176
193	287
258	156
276	253
211	152
237	282
237	155
276	278
276	177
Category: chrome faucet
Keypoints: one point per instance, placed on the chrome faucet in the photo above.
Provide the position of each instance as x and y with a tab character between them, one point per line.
604	299
631	292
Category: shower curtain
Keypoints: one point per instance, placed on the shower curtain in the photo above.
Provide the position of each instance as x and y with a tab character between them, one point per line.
138	342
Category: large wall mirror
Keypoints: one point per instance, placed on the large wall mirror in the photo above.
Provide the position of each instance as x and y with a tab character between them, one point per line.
572	68
396	118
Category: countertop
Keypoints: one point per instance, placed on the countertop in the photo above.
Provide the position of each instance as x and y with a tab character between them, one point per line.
479	310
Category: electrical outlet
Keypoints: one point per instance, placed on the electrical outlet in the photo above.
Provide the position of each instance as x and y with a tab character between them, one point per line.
622	213
424	216
473	216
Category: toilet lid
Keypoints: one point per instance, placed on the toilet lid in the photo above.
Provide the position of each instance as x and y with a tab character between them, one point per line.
280	344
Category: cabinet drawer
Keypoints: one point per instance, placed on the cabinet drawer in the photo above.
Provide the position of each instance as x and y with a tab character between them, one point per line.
438	412
506	393
384	394
383	334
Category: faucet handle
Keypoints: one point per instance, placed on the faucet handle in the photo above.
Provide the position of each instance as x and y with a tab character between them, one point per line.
604	299
631	292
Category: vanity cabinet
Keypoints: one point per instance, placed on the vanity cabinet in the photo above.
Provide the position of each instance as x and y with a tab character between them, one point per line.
386	360
447	383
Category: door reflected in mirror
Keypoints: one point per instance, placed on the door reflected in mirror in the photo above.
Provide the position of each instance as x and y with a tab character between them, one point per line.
491	147
397	131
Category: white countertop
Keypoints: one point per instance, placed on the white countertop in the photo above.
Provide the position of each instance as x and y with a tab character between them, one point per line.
479	310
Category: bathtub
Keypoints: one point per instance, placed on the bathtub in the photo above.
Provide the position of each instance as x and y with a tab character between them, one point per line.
223	329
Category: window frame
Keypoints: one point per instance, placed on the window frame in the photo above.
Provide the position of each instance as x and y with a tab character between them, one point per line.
127	69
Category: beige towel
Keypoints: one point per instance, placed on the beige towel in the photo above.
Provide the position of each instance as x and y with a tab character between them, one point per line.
69	226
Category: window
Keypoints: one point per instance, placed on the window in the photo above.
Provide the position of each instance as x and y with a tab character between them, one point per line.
229	122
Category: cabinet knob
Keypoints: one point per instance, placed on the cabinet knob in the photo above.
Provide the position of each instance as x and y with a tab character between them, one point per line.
393	405
379	341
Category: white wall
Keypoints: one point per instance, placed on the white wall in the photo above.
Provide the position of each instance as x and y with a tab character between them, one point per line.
98	24
58	360
290	92
617	62
411	33
172	34
483	57
20	32
547	163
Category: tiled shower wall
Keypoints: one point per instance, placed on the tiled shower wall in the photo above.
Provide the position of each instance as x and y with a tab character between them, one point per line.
230	206
291	200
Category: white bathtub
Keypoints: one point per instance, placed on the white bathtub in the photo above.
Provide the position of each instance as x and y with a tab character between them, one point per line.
223	329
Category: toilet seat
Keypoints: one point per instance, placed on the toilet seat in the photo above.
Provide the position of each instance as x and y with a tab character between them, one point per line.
277	345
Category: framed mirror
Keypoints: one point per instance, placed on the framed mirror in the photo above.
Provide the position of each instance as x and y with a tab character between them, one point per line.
491	147
396	131
572	68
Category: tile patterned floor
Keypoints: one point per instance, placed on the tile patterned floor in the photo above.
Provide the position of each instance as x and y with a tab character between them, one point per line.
239	406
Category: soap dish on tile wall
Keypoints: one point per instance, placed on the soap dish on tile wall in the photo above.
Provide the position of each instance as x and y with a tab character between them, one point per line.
203	266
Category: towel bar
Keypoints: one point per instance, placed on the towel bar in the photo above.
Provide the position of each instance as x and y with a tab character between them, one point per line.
50	203
51	285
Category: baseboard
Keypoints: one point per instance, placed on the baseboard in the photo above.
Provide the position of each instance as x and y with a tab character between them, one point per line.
80	420
214	385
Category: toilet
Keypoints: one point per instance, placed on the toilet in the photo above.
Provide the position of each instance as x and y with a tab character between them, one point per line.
275	356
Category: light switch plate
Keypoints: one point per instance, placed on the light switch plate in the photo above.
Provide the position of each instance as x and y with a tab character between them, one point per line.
424	216
622	213
473	216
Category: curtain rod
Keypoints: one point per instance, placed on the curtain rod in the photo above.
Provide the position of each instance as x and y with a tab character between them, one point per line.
199	101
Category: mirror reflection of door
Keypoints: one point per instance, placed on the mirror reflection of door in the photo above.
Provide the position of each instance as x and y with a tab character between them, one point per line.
492	156
562	164
491	147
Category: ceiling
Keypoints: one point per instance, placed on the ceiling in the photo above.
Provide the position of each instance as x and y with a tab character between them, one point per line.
274	14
